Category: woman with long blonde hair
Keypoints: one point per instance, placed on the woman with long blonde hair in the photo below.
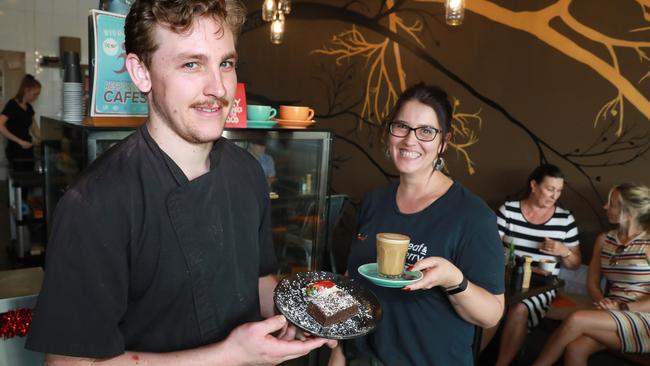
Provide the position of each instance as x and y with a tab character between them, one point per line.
621	319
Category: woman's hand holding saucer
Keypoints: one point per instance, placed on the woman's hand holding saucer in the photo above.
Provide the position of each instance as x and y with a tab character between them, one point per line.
437	272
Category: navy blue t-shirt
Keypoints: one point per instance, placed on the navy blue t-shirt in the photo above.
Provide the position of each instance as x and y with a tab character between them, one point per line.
421	327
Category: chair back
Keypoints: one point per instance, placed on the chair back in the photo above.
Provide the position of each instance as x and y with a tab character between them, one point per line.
335	205
476	344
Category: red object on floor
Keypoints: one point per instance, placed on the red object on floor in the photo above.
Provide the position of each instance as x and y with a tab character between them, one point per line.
563	302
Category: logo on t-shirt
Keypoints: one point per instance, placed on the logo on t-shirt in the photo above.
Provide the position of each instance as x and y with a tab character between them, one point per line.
416	252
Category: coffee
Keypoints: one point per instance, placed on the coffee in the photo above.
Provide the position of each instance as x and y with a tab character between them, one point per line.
391	254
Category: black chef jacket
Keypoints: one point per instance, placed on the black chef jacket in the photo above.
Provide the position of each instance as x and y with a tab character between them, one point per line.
142	259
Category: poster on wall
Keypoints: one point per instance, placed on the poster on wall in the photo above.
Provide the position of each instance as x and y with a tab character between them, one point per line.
113	92
237	117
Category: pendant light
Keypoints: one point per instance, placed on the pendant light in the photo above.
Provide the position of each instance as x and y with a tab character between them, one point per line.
454	12
273	11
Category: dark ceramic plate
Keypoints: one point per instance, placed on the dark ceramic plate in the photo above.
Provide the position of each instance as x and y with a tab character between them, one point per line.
291	300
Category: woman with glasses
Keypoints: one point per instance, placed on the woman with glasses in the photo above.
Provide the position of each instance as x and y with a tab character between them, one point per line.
454	242
536	226
621	320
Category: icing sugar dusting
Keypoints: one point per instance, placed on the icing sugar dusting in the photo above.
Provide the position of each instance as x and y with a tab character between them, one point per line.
333	300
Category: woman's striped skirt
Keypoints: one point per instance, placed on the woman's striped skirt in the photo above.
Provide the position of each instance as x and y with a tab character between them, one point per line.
633	330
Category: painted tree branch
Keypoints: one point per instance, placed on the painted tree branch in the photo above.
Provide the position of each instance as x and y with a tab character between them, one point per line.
380	90
538	24
321	12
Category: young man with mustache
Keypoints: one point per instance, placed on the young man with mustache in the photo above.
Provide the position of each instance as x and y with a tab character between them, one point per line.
161	252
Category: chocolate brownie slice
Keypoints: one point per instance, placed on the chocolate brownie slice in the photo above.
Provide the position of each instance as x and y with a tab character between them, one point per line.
332	306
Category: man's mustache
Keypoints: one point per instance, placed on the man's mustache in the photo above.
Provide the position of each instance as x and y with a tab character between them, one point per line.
211	103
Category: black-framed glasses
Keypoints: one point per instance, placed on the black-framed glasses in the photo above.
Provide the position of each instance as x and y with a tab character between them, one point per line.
613	260
423	133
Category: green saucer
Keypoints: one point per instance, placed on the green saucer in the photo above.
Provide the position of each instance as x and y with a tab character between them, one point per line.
261	124
369	271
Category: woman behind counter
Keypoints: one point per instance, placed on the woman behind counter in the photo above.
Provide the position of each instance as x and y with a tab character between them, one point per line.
623	257
17	125
454	241
537	227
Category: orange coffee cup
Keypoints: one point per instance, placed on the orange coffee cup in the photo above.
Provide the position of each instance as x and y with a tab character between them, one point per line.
296	113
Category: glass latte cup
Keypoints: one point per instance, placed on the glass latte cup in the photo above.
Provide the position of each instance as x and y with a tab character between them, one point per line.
391	254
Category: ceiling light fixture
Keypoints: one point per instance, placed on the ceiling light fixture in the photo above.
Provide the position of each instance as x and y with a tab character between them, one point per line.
273	11
454	12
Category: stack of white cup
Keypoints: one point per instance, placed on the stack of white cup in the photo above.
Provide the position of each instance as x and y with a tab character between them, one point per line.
73	102
73	109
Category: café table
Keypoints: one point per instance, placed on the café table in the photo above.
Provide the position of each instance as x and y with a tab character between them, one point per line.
538	284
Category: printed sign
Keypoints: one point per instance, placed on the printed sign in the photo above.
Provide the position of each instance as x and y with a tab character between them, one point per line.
237	117
113	92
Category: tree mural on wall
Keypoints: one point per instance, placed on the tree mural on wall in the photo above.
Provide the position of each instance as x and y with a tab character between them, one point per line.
538	24
383	85
386	79
386	76
379	33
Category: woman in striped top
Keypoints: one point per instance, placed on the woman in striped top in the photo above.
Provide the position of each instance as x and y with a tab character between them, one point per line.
622	318
539	228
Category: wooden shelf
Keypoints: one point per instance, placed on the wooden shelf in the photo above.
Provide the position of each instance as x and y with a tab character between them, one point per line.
20	282
114	121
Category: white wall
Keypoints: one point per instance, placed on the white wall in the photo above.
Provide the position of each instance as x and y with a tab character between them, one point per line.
36	25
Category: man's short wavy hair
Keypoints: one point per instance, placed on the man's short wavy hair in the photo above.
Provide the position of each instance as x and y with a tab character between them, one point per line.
177	16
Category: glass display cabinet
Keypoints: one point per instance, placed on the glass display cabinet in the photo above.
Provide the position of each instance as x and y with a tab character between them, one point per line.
67	149
298	185
298	190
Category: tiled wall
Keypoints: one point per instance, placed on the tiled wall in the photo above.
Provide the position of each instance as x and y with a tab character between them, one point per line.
36	25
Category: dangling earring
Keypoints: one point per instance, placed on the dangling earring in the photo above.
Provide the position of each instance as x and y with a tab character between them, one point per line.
439	164
387	153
